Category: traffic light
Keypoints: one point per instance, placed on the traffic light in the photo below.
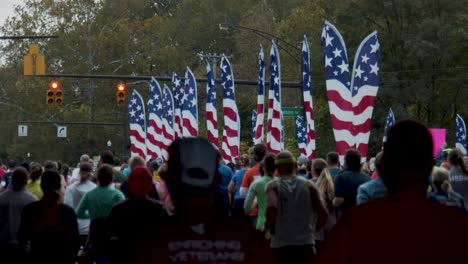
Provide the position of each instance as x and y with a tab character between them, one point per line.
121	94
54	94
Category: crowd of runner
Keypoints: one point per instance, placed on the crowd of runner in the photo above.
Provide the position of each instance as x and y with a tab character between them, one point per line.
403	206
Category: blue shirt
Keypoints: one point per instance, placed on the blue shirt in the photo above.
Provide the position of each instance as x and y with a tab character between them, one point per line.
226	176
455	201
237	179
371	190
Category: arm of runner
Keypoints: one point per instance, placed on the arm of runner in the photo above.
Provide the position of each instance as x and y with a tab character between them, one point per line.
339	191
249	201
232	187
362	196
272	204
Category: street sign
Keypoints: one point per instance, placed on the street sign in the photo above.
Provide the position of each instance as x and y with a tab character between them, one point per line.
61	131
22	131
292	111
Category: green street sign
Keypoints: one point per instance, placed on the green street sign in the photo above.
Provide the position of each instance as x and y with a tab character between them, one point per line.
292	111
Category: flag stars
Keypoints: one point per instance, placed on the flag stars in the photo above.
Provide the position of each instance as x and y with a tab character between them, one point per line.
344	67
276	80
364	58
328	40
374	68
359	72
337	52
335	73
138	108
132	113
375	47
159	106
328	62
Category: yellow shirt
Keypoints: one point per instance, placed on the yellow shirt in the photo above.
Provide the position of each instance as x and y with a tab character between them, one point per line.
35	188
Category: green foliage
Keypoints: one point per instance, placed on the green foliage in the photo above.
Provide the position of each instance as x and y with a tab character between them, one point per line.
423	65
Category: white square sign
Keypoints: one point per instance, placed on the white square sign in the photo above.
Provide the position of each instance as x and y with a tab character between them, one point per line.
22	131
61	131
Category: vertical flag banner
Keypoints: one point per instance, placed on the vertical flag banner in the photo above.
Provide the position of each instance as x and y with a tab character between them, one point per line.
258	137
168	132
177	92
364	88
137	122
211	112
308	101
154	129
460	134
254	125
189	106
231	132
390	122
338	82
274	102
301	134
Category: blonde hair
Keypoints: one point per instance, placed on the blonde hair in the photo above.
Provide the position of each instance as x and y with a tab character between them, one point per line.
136	161
441	179
324	182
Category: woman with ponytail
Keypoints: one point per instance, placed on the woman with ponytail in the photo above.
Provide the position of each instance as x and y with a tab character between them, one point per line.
443	192
324	184
458	172
48	226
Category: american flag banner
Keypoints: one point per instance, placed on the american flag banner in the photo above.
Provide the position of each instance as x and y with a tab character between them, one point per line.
254	125
211	111
177	92
189	106
301	135
364	87
390	122
460	134
308	102
137	122
258	137
168	133
154	128
338	82
231	133
274	103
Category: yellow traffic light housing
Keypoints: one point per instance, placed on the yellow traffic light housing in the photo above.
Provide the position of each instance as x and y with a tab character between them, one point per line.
34	62
121	94
54	94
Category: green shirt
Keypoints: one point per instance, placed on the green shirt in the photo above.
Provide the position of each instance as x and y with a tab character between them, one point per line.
98	202
334	172
257	189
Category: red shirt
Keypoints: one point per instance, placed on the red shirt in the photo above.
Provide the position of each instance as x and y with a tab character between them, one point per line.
398	228
211	237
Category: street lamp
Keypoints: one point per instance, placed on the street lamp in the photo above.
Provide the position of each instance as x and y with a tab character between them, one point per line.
265	35
109	143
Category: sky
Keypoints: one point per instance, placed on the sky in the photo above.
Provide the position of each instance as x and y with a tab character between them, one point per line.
7	7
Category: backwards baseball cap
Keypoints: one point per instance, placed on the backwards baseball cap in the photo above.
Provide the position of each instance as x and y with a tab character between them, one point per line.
198	161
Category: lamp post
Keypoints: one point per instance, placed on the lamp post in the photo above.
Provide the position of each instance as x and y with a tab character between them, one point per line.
265	35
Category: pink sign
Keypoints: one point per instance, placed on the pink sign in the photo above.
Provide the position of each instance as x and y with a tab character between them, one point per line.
438	139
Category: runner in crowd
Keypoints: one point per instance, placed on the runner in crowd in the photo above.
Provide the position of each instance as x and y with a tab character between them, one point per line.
257	192
404	226
234	188
443	192
348	181
75	192
132	225
75	177
12	202
258	153
6	178
294	206
197	232
326	189
48	226
107	157
302	162
333	161
221	199
458	173
96	205
34	182
372	189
